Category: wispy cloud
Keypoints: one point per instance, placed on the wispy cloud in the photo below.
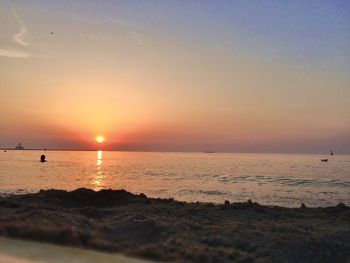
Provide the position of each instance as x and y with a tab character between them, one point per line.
20	37
23	47
119	21
139	38
133	30
13	53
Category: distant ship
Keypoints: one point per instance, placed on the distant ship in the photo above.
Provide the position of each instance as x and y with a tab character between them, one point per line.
19	147
208	151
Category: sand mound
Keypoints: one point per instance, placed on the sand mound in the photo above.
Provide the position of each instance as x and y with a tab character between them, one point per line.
167	230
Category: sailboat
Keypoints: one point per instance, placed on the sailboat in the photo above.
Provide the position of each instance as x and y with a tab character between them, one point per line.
331	152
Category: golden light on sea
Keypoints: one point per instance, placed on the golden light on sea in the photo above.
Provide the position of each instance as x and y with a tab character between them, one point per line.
100	139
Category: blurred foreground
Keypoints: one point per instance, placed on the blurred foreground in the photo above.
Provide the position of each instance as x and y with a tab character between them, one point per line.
168	230
18	251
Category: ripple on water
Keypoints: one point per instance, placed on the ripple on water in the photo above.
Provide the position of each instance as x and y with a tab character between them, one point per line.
205	192
266	178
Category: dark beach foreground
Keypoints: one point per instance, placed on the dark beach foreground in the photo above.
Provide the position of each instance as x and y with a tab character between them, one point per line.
167	230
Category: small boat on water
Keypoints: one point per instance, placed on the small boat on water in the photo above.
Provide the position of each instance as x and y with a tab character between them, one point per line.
324	160
331	152
208	151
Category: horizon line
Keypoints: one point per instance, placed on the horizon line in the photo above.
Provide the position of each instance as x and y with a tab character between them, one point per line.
160	151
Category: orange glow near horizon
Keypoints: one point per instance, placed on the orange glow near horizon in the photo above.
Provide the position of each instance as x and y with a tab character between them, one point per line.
100	139
141	88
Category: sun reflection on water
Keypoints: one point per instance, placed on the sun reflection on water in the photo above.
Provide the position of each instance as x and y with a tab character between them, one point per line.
99	158
97	183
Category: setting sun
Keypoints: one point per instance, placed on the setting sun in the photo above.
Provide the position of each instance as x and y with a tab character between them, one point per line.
100	139
119	117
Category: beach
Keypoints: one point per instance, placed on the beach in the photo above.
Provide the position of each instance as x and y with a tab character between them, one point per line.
117	221
174	131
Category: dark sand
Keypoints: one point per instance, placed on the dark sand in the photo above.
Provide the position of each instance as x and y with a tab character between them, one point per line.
166	230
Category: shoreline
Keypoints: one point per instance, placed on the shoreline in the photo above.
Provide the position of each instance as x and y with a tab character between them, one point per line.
169	230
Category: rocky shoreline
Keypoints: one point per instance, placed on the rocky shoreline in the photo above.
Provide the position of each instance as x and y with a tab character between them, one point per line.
168	230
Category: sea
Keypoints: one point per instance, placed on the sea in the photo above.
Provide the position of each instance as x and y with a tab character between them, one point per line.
269	179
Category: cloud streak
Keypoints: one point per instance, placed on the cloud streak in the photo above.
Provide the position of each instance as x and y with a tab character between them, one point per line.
24	48
139	38
133	30
13	53
20	37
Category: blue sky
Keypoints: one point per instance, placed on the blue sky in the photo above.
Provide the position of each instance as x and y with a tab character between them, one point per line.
315	31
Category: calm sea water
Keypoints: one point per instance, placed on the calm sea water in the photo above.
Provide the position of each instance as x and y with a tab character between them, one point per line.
271	179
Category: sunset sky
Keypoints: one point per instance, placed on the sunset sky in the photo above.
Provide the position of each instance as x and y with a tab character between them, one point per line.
232	76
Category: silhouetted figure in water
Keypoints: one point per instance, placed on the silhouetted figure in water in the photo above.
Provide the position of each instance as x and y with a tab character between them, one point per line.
42	158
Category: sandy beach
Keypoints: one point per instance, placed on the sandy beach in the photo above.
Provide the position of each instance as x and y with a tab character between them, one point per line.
167	230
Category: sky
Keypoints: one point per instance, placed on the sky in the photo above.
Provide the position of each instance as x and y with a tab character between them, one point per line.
155	75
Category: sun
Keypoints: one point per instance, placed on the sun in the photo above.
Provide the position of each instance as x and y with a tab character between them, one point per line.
100	139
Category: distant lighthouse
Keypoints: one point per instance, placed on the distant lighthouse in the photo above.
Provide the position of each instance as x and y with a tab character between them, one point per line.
19	146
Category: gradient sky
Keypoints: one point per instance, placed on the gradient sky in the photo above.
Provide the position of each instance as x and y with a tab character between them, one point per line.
241	76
